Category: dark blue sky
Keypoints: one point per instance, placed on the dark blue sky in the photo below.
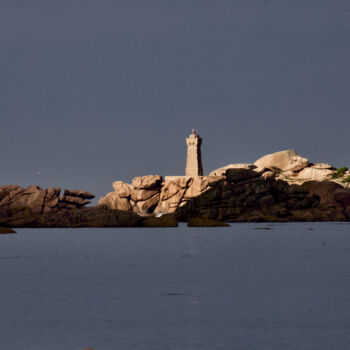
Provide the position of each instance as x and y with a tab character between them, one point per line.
95	91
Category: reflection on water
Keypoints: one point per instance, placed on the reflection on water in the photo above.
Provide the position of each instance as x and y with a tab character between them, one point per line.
248	286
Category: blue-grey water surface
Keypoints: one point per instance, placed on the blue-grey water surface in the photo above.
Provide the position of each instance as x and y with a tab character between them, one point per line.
241	287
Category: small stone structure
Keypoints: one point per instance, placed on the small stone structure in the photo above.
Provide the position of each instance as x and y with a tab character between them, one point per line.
194	157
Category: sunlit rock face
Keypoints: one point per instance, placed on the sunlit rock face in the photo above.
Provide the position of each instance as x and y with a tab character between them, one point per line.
112	200
149	194
146	182
142	196
177	192
316	173
122	189
42	200
283	160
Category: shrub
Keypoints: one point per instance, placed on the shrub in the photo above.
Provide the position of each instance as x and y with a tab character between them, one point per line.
346	180
340	172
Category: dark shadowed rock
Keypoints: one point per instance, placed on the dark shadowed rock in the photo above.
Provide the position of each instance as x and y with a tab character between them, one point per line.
204	222
148	205
163	221
347	212
267	201
84	217
76	201
323	189
237	175
6	230
342	196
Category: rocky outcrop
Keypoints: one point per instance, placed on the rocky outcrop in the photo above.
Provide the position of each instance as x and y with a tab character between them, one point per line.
75	199
260	199
236	175
14	195
42	200
342	196
79	194
142	196
287	160
317	172
113	201
147	182
285	165
6	230
177	192
149	195
122	189
83	217
278	187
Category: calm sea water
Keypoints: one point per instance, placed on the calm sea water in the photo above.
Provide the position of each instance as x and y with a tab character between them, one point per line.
249	286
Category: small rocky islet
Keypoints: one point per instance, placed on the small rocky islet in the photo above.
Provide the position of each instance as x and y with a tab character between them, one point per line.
279	187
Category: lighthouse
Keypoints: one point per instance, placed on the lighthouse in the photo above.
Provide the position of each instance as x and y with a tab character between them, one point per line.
194	157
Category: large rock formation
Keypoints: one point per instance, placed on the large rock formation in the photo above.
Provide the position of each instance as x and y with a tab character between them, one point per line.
142	196
150	195
81	217
279	187
268	199
287	160
147	182
316	172
42	200
290	167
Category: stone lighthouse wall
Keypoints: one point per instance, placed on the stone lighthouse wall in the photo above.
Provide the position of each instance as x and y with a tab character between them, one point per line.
194	157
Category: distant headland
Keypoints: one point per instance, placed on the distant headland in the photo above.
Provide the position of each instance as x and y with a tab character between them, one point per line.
278	187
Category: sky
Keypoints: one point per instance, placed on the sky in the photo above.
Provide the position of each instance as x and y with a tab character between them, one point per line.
93	91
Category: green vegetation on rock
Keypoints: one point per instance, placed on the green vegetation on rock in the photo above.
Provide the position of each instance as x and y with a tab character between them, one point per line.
346	180
340	172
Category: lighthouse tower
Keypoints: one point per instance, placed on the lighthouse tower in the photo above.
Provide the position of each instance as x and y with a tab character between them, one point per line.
194	157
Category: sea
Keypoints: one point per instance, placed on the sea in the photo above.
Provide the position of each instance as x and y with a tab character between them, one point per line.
250	286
